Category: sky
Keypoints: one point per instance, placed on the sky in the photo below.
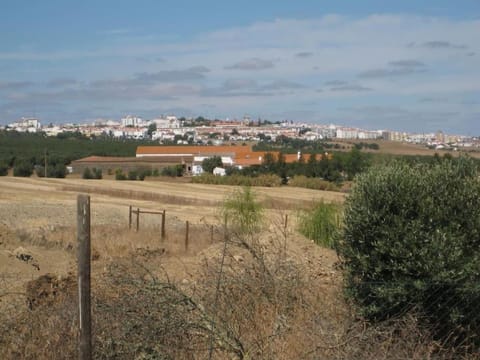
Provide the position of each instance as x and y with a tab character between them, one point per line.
394	65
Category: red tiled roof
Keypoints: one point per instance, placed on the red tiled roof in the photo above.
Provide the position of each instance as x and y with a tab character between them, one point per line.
105	159
148	159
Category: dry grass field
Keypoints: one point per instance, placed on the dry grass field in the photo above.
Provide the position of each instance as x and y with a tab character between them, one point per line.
40	215
38	234
403	148
268	294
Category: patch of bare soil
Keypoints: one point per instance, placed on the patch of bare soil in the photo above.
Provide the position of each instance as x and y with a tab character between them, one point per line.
48	289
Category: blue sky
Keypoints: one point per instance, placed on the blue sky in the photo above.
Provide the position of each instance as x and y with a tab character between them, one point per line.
403	65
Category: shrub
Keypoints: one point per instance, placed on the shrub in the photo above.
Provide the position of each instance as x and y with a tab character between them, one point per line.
267	180
242	211
119	175
39	170
312	183
23	169
57	171
155	172
97	173
132	175
143	173
53	171
321	224
173	171
169	171
3	169
411	238
87	174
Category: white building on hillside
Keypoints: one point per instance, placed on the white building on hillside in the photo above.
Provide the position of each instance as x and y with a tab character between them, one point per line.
26	125
168	122
347	133
132	121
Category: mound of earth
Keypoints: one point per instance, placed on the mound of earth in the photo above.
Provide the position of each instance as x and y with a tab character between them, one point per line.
48	289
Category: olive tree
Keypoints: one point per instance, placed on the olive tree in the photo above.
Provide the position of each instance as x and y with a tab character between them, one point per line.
411	239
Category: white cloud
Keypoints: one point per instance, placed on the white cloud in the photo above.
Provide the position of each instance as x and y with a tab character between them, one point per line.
251	64
289	58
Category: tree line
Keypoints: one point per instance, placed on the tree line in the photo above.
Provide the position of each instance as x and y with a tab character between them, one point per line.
27	152
335	167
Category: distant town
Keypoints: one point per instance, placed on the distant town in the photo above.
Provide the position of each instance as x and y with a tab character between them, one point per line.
182	131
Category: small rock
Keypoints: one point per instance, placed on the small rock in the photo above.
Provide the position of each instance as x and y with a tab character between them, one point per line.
22	254
238	258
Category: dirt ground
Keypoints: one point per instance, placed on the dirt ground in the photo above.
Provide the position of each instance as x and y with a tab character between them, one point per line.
38	219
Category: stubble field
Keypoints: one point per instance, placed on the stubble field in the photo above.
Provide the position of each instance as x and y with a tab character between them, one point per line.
38	218
269	293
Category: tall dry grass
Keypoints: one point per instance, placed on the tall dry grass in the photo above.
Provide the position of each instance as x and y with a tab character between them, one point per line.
255	294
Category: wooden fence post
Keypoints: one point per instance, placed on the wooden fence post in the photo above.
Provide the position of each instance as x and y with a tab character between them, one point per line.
186	235
138	218
225	229
130	216
163	225
84	250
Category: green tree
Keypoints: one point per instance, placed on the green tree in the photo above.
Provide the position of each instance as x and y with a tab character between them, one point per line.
311	166
87	173
355	163
23	169
57	171
411	238
151	129
268	162
3	169
208	164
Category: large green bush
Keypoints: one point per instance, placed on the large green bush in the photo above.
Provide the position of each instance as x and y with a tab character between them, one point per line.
412	240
